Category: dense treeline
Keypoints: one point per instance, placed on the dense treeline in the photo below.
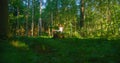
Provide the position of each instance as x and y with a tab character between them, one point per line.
80	18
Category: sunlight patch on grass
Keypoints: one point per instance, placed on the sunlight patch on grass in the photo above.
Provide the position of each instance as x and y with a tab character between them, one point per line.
19	44
46	36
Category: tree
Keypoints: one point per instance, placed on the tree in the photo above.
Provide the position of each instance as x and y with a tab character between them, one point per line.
3	19
27	16
82	9
16	16
32	25
40	20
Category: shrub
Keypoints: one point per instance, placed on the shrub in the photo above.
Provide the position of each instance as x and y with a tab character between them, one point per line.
58	35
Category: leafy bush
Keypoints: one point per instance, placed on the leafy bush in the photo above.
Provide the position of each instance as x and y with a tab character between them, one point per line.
58	35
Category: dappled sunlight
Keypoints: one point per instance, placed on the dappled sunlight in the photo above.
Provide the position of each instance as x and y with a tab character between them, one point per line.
40	50
19	44
46	36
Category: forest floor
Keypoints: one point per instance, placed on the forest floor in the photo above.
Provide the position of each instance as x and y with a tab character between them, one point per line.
67	50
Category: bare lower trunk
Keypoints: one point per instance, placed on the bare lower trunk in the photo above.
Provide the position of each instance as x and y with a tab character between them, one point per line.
32	25
40	21
3	19
18	25
27	18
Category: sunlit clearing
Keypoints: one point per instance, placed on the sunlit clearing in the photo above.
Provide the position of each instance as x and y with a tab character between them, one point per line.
19	44
46	36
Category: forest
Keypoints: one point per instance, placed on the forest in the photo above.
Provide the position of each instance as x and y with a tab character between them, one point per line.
59	31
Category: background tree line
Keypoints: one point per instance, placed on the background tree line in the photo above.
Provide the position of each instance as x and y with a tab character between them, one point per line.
80	18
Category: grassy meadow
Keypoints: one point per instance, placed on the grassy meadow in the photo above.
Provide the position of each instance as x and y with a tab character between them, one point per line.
66	50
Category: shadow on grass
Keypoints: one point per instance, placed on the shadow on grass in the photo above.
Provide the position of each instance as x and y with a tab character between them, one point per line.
67	50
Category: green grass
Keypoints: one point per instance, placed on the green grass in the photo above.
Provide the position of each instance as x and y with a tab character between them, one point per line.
67	50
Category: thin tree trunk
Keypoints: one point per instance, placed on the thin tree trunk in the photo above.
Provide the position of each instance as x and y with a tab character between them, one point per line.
82	18
51	24
3	19
27	18
51	19
32	25
18	24
108	17
26	33
40	21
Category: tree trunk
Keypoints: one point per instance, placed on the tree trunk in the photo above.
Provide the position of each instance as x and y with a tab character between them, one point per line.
27	17
32	25
40	21
4	19
18	24
108	18
82	18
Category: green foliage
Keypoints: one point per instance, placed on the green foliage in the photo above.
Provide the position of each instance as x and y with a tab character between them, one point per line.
101	17
58	35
